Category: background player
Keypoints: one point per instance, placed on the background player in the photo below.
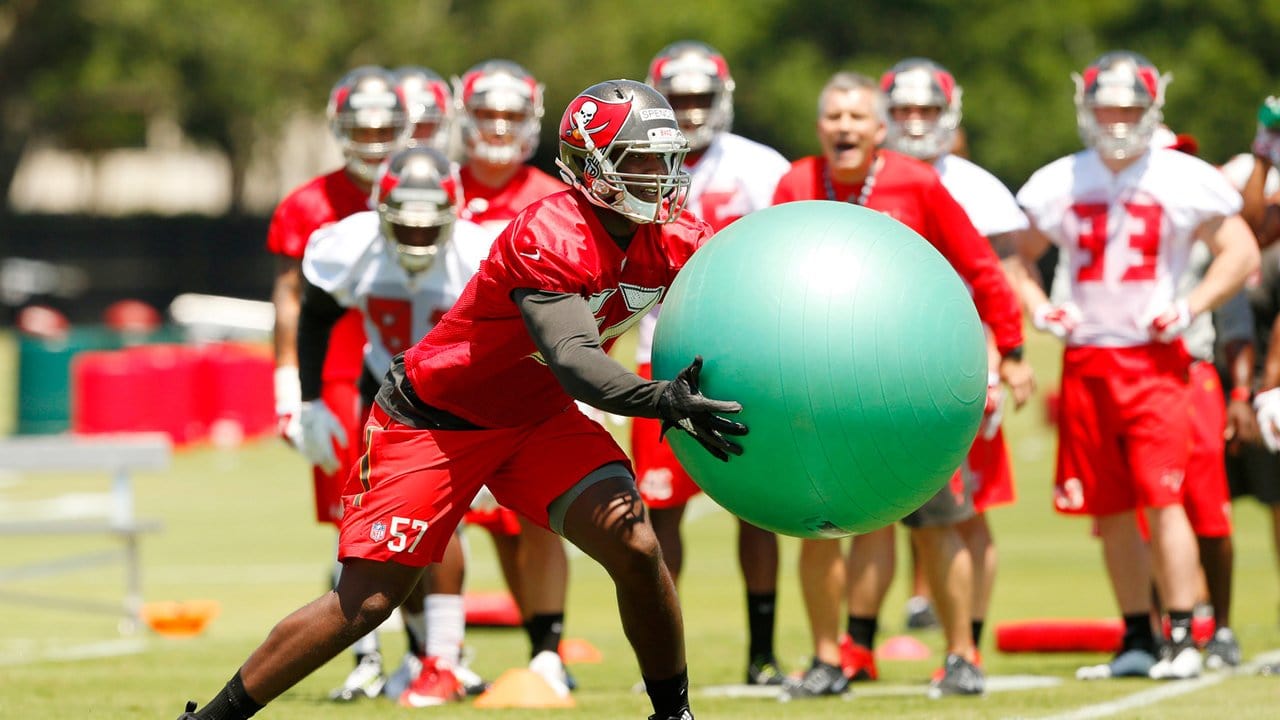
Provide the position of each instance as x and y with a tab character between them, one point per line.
401	267
368	118
924	116
730	176
1125	217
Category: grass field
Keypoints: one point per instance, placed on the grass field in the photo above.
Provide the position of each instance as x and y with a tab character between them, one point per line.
238	530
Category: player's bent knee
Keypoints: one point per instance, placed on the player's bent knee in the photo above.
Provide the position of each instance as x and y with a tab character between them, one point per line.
602	484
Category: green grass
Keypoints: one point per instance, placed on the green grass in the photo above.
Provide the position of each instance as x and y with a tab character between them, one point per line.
239	530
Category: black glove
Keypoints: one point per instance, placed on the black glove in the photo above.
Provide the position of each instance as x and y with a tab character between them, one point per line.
683	405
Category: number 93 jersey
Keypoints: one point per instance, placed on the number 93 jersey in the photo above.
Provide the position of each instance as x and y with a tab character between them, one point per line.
352	262
1126	237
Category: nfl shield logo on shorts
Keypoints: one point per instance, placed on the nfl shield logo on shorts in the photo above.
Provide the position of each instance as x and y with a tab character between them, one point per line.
378	532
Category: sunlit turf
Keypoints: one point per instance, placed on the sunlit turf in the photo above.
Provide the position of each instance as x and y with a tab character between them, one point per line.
239	531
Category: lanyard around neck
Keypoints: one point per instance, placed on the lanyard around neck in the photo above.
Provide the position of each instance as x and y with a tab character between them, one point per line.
867	184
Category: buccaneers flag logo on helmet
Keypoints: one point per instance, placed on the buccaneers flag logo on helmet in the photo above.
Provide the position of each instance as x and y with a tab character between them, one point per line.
599	119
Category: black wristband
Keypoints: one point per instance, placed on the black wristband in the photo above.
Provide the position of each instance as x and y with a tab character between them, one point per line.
1013	353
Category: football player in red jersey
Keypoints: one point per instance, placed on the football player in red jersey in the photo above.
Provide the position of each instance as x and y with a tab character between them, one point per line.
368	118
851	126
487	397
730	176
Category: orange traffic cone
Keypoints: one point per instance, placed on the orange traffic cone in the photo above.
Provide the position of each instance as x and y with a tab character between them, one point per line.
522	688
179	619
577	650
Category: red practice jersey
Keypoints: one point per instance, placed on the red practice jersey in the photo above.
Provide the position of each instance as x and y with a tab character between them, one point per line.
911	192
479	362
493	208
322	201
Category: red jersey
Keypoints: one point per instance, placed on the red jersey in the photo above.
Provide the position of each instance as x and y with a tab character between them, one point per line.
493	208
911	192
322	201
479	362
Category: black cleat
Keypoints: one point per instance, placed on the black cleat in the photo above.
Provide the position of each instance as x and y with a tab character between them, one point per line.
764	670
820	680
959	677
190	713
685	714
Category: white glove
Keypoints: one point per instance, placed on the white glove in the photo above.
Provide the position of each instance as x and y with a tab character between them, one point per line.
994	411
484	501
1266	144
288	404
1060	320
320	430
1267	405
1166	325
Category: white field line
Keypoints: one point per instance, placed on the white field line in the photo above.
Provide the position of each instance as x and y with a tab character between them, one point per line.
30	654
1161	693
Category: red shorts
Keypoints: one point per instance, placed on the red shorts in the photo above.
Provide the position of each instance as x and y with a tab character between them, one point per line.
1125	433
988	463
343	400
1205	494
662	481
416	485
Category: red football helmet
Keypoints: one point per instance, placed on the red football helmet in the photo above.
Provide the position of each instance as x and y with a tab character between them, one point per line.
429	104
368	119
695	80
415	206
500	106
625	123
1119	79
924	108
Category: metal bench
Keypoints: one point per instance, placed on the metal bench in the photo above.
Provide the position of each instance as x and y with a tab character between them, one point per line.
118	455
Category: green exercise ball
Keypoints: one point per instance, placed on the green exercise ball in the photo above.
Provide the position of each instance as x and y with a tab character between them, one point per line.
856	352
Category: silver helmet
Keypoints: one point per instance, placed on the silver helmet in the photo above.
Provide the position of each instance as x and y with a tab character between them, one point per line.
368	118
921	83
429	103
695	79
1119	79
412	193
500	111
621	147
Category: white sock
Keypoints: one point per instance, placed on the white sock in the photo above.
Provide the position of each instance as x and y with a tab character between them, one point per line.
416	623
367	645
446	625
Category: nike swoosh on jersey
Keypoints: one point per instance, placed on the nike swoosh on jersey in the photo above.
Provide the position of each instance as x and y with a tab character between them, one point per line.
535	255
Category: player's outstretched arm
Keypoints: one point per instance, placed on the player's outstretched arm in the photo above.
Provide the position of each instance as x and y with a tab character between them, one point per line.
564	331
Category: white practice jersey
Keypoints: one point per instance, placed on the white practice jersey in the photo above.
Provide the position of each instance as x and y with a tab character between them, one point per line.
352	262
1125	238
988	203
734	176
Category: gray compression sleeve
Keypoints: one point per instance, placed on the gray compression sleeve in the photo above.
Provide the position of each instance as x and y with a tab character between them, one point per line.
564	330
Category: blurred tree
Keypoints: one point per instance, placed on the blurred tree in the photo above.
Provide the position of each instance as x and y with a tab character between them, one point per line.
91	74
